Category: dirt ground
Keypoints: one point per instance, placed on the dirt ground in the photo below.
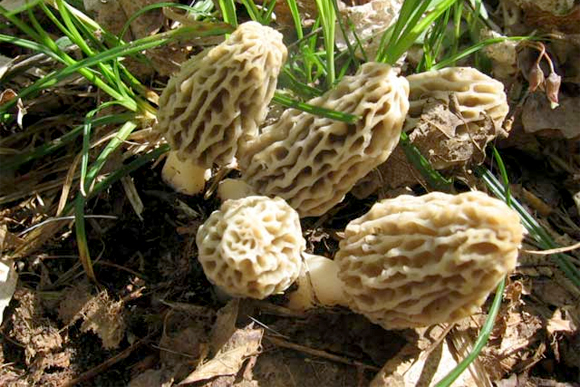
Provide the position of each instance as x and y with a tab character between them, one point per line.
153	319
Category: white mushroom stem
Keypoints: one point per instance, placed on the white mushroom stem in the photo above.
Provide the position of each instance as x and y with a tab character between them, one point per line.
318	284
183	176
232	189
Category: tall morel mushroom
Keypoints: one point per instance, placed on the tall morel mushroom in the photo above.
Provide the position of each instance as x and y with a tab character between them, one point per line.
217	101
417	261
251	247
312	161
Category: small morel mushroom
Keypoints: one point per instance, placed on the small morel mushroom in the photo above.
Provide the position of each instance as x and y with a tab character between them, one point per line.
417	261
474	94
453	114
312	161
251	247
217	101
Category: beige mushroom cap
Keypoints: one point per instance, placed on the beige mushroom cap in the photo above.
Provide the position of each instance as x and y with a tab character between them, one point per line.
251	247
418	261
312	161
475	95
220	96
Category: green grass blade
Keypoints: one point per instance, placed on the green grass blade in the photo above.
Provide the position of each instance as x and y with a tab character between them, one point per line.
536	231
29	44
127	49
481	339
296	18
113	144
81	237
430	174
474	48
228	8
52	146
504	176
127	169
316	110
252	10
327	18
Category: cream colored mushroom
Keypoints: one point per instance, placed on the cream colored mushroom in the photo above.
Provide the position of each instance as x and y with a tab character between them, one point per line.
217	101
312	161
474	94
418	261
251	247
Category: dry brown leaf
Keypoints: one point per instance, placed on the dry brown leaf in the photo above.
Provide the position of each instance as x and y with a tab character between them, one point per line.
105	318
243	344
225	325
30	328
73	301
99	313
8	241
558	324
8	280
539	117
184	340
423	363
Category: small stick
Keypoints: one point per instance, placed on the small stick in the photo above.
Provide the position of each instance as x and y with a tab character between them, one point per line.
318	353
108	363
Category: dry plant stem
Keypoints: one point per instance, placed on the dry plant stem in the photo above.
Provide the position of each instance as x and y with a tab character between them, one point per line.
108	363
185	177
316	352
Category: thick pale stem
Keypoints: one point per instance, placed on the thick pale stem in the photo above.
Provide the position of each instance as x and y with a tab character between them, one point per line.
318	284
231	189
183	176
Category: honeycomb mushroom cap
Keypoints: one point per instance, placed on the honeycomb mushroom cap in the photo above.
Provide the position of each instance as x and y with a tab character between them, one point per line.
418	261
251	247
220	96
313	161
475	94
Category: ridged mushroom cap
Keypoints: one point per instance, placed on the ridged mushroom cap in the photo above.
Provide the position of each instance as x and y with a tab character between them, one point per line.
313	161
418	261
220	96
251	247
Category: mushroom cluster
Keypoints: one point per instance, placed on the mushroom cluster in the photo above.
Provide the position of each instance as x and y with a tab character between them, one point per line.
217	101
408	262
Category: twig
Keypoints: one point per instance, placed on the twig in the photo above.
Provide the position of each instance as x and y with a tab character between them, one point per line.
108	363
554	251
318	353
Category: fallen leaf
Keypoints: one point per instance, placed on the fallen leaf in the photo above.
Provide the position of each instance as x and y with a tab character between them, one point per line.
99	313
558	324
225	325
243	344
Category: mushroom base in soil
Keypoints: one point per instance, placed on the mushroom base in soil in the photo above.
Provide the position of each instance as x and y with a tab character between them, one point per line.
185	177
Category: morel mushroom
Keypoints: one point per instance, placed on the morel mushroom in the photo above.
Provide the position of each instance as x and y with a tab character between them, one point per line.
453	114
312	161
217	101
474	94
251	247
417	261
